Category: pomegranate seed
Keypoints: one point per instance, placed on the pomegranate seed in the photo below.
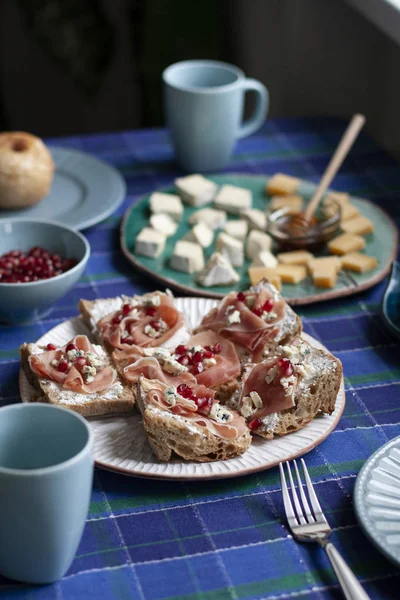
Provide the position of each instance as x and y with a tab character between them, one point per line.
129	340
198	368
197	357
117	318
258	311
268	305
184	360
80	362
126	309
51	347
217	348
286	367
63	365
155	325
201	401
255	424
206	406
241	297
181	349
151	311
184	390
71	347
208	354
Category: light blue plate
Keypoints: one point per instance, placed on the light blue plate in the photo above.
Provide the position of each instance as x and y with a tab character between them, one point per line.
377	499
85	191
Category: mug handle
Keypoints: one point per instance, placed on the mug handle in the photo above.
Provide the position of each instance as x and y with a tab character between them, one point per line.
261	109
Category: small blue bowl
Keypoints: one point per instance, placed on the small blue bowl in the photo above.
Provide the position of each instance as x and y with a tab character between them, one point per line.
25	302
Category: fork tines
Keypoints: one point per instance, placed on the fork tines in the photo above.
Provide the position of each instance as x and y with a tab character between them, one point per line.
298	512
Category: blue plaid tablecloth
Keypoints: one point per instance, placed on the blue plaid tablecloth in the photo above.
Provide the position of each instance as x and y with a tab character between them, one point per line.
153	540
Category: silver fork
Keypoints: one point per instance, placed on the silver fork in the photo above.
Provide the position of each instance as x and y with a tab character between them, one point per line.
311	526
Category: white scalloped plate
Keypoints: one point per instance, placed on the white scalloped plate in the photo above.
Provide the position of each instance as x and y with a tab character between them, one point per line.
121	445
377	499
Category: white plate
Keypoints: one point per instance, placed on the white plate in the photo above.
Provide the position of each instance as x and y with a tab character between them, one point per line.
121	445
85	191
377	499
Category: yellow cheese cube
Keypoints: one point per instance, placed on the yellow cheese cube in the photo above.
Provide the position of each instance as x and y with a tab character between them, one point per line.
348	211
358	225
324	277
360	263
325	262
345	243
291	273
341	198
293	202
297	257
258	273
282	184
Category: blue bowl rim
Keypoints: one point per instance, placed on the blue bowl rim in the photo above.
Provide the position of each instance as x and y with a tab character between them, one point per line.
79	235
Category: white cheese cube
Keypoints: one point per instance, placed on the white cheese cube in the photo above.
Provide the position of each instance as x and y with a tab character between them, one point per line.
231	248
166	203
256	243
150	242
265	259
237	229
218	271
233	199
256	219
164	224
200	234
196	190
215	219
187	257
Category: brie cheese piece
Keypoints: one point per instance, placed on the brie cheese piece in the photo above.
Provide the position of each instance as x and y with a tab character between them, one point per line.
256	219
164	224
233	199
166	203
218	271
196	190
150	242
187	257
200	234
215	219
231	248
237	229
265	259
256	243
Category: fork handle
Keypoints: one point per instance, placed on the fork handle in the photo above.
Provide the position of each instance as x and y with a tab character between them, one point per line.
351	587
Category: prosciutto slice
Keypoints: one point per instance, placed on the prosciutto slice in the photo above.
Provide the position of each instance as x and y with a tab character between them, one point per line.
72	379
148	366
188	409
252	332
134	327
272	394
228	365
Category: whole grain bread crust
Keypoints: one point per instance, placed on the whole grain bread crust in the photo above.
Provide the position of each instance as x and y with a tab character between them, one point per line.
168	434
318	398
94	407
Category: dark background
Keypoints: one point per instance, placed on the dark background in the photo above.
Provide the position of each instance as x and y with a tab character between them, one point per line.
82	66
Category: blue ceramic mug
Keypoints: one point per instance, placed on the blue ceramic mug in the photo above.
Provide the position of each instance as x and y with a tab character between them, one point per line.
204	102
46	473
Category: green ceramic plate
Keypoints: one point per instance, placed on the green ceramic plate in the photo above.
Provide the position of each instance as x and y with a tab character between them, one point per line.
382	244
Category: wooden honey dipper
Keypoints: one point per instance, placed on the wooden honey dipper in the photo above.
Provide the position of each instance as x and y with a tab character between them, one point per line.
299	223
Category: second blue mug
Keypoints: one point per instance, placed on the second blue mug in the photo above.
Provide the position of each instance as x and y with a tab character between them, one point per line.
204	101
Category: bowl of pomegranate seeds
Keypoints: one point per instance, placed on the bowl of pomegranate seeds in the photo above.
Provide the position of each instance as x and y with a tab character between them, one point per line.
40	261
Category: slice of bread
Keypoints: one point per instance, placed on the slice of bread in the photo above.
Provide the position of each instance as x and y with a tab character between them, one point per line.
117	399
169	433
315	394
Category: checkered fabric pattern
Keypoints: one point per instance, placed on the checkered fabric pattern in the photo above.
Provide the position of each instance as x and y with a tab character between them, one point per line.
216	540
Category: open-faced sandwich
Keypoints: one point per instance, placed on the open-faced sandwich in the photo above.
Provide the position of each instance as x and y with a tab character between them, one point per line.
243	370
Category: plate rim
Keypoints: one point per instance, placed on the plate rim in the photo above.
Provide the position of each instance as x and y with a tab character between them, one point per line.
359	505
311	299
97	217
214	476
